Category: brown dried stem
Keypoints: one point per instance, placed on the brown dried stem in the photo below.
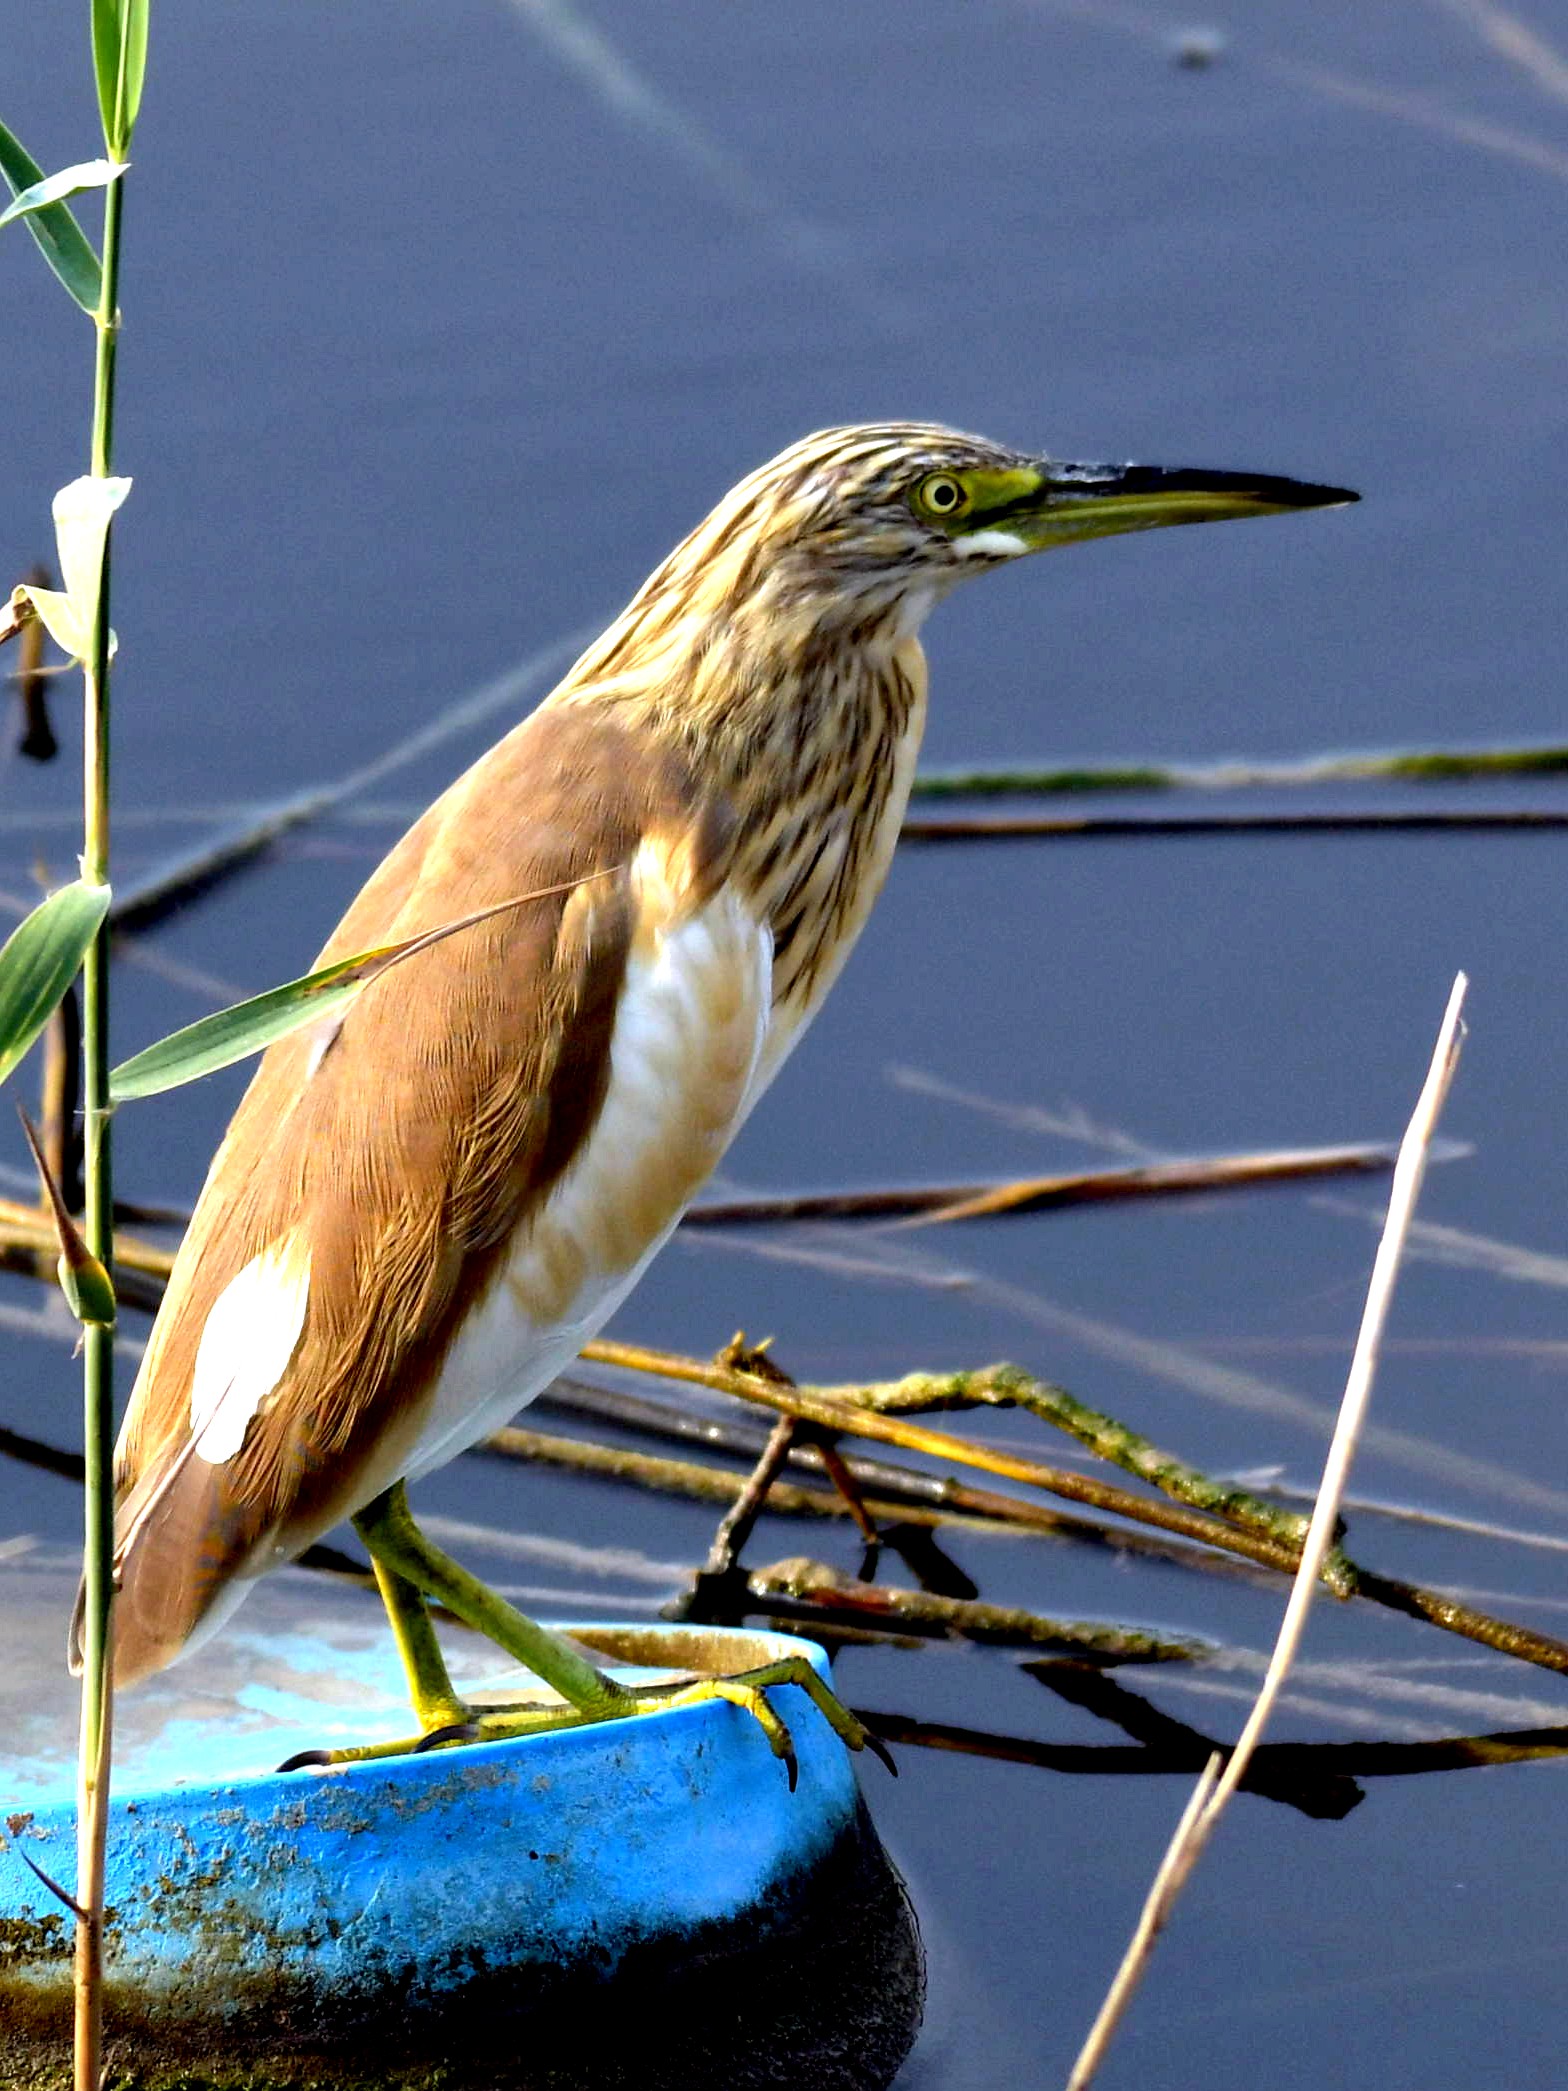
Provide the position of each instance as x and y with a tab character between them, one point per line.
926	1203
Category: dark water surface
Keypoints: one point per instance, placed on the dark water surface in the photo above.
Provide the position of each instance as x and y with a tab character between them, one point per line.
441	325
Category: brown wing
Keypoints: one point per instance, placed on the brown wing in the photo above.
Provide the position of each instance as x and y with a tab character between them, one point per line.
401	1158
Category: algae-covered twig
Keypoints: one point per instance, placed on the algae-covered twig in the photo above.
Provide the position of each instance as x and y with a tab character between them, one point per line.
1003	1386
830	1595
1405	765
1424	820
1114	1441
855	1412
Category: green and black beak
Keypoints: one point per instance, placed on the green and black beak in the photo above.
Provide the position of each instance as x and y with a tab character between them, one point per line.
1102	500
1031	508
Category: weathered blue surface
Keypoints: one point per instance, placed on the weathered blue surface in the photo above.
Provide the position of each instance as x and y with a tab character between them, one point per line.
414	1874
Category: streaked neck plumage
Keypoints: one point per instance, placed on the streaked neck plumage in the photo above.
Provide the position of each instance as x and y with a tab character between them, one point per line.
802	712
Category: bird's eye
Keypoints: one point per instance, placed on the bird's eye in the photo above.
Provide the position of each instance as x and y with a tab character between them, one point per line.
939	494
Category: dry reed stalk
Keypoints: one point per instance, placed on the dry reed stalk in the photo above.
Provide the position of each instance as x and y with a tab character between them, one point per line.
1215	1788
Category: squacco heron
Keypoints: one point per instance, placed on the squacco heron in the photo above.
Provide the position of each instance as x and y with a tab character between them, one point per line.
415	1222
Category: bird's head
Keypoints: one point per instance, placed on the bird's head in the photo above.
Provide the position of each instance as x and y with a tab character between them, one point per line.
889	516
853	534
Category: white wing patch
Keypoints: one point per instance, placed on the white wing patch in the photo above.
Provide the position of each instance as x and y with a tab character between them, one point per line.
246	1344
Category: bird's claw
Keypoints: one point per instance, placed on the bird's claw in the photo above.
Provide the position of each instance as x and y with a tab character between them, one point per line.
453	1732
307	1760
750	1698
433	1736
749	1693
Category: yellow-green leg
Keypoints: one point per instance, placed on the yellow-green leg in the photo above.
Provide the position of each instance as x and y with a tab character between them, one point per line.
401	1551
430	1688
410	1569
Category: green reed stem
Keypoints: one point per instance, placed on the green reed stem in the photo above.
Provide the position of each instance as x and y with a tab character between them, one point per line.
98	1339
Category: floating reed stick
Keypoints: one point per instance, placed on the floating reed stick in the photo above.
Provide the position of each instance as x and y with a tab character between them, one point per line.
922	1204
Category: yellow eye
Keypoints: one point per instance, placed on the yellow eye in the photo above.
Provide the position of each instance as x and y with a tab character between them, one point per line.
942	496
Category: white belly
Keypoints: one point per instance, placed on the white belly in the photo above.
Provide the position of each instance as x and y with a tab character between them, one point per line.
684	1055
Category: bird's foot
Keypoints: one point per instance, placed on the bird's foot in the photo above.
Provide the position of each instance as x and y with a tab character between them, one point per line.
748	1691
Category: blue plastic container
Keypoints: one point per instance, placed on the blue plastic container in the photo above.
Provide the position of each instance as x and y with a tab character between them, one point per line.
495	1915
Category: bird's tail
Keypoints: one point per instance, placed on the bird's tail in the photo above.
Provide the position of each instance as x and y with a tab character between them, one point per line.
175	1560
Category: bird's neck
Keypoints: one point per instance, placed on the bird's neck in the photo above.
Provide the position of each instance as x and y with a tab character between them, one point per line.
816	758
806	730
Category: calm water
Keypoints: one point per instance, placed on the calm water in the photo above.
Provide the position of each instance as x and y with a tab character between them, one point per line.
441	325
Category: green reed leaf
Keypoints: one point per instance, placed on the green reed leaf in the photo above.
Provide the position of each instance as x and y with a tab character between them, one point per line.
39	961
61	240
120	61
